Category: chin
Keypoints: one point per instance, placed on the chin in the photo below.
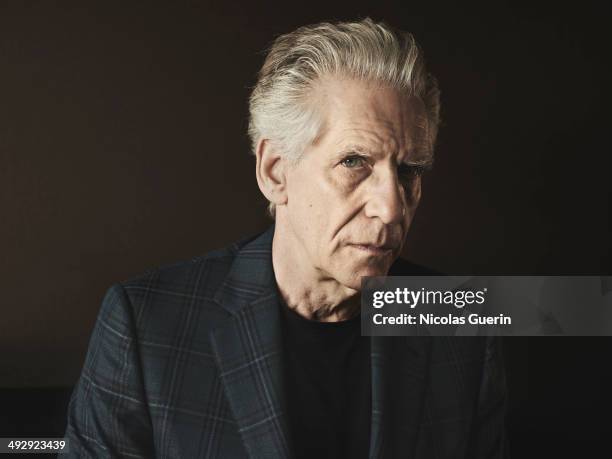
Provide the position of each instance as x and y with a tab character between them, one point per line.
352	278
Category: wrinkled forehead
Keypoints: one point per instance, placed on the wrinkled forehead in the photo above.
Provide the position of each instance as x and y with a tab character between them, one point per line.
373	116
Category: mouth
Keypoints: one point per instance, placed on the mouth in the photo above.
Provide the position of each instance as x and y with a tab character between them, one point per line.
374	250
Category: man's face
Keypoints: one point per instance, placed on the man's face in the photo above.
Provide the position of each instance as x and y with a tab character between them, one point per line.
352	196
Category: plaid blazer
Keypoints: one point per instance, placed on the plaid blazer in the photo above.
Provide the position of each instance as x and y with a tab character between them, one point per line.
185	362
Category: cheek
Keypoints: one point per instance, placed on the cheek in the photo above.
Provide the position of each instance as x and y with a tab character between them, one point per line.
413	193
411	208
322	207
311	221
412	198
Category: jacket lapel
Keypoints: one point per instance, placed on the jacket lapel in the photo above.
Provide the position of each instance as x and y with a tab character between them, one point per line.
248	351
399	379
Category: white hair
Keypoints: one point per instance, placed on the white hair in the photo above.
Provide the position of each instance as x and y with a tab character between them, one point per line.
281	105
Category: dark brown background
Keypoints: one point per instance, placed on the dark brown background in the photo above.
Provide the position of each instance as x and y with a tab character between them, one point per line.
123	146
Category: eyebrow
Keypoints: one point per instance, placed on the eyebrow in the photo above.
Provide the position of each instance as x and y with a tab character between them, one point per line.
426	161
357	148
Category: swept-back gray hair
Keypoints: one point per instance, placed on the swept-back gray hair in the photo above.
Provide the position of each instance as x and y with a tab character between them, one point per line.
281	107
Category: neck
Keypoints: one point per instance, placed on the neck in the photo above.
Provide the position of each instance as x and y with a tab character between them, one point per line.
308	290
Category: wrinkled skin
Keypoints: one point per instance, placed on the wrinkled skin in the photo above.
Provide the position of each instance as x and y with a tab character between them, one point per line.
343	211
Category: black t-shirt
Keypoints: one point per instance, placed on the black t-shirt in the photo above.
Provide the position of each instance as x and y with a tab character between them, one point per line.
327	381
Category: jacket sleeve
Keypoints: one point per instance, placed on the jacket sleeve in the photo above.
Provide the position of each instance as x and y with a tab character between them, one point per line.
108	414
489	439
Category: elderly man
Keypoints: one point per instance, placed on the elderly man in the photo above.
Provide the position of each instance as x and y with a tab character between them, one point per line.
255	350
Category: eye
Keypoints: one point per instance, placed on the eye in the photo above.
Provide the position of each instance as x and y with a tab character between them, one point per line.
406	172
353	161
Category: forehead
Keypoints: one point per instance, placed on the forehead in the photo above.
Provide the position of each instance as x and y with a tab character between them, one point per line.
370	116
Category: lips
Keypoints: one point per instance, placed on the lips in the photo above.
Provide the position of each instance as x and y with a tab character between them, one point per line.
373	249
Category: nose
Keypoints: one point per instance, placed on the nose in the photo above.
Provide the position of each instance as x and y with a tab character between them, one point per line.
387	200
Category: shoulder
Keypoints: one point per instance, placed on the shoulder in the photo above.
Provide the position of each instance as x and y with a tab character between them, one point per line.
175	299
198	277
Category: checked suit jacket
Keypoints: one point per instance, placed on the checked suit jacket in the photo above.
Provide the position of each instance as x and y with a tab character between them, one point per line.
185	361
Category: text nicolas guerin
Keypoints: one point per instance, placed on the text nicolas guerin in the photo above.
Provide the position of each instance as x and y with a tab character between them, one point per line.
412	298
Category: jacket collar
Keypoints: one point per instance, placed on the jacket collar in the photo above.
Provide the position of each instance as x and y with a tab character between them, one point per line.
248	351
251	275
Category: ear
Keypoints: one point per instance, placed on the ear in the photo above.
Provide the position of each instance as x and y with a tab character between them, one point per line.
270	172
